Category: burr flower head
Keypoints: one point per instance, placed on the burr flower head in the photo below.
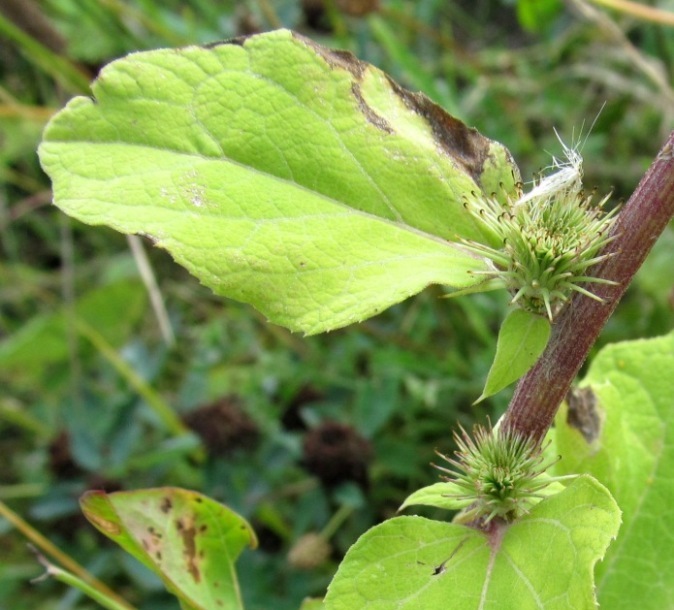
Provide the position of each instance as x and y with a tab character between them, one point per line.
495	474
542	244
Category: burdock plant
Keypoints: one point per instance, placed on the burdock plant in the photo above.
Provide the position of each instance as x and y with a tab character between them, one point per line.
310	185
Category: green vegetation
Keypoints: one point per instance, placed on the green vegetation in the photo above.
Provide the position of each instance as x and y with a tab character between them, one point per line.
119	371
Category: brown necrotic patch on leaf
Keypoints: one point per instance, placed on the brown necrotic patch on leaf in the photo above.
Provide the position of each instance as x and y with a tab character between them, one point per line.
461	143
372	117
188	535
583	414
464	145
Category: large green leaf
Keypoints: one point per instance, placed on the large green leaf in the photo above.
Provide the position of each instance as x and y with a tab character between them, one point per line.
189	540
543	561
620	427
281	174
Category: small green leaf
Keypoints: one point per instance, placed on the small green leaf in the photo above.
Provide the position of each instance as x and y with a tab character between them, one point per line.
189	540
434	495
543	561
521	340
280	173
620	428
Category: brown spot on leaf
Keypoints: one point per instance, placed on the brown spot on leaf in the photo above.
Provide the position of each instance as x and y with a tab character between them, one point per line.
166	505
583	414
152	543
188	534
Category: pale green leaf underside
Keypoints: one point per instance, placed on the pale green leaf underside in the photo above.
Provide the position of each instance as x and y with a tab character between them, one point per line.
544	562
190	541
296	179
633	455
521	340
434	495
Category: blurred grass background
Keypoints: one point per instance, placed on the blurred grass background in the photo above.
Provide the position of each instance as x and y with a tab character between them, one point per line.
110	353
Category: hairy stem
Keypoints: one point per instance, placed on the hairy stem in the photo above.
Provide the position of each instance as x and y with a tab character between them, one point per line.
644	217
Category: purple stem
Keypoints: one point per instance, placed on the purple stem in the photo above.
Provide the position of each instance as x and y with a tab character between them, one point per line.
643	218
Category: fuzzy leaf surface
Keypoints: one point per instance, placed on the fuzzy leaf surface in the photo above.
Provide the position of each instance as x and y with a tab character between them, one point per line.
190	541
622	432
544	560
521	340
280	173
